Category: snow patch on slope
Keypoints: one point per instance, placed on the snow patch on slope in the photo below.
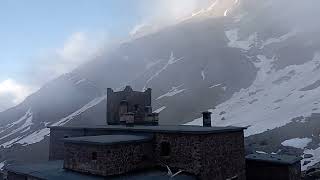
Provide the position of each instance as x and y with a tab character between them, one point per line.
299	143
172	92
160	109
236	42
2	165
40	134
274	105
91	104
279	39
35	137
203	75
28	122
216	85
172	60
312	160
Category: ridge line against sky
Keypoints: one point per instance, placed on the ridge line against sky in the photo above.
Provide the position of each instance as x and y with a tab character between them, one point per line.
44	39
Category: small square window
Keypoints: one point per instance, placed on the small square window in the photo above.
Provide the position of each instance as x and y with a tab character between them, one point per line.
165	149
94	156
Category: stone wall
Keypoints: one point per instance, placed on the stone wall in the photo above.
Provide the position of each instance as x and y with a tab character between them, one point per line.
267	170
56	146
211	156
132	97
110	159
184	152
295	171
223	156
14	176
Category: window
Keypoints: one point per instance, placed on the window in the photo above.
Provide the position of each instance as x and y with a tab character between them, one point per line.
165	149
94	156
136	107
65	136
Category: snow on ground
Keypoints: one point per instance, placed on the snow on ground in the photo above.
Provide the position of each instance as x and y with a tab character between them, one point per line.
226	12
160	109
236	42
216	85
279	39
203	75
40	134
213	5
312	160
2	165
261	152
28	113
80	81
172	92
299	143
28	122
172	60
35	137
152	64
91	104
267	105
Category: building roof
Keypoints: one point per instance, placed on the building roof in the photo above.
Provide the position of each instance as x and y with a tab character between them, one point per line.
53	170
108	139
183	129
274	158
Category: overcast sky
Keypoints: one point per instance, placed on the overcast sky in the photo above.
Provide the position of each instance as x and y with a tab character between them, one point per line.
42	39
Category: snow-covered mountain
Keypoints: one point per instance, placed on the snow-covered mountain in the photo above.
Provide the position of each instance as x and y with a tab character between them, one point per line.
253	63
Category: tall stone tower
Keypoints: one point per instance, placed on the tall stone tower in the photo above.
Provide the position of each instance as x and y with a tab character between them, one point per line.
123	104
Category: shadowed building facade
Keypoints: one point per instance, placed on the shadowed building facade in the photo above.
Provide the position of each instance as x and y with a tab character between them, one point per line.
128	104
132	142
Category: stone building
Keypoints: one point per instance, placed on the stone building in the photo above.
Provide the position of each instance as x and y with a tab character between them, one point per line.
131	106
205	152
272	166
133	145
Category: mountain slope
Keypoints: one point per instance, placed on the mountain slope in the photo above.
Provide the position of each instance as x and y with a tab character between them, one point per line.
247	62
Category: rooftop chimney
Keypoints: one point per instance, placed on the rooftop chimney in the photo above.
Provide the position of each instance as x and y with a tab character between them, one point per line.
206	117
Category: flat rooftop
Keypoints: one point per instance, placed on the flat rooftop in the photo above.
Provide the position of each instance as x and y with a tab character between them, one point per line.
53	170
108	139
274	158
183	129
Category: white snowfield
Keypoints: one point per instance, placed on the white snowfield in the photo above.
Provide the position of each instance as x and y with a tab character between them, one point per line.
299	143
274	98
235	42
39	135
27	123
269	96
313	160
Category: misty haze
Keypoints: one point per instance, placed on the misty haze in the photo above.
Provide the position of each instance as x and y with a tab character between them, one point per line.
161	89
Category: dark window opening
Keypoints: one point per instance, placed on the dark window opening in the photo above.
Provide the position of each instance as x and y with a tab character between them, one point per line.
136	107
144	157
94	156
65	136
165	149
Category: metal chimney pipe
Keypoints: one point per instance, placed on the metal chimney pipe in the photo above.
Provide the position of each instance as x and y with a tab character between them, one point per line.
206	117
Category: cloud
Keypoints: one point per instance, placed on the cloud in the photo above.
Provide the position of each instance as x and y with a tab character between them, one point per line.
161	13
12	93
171	10
78	48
